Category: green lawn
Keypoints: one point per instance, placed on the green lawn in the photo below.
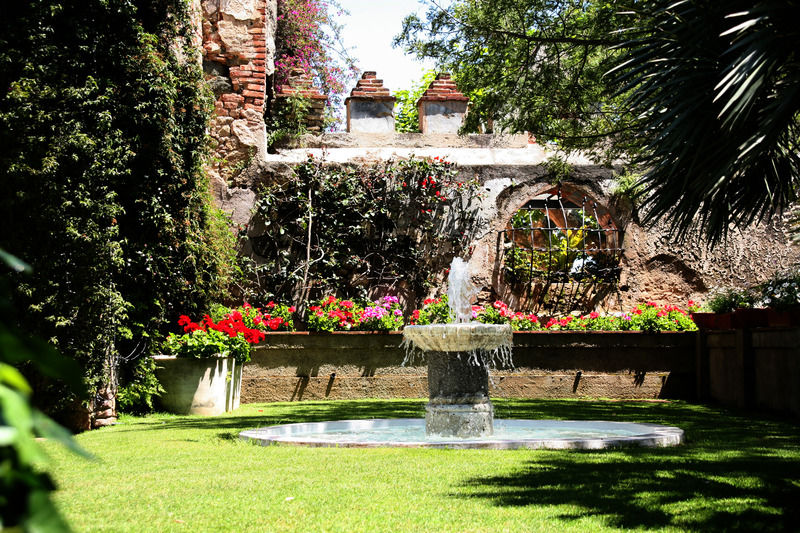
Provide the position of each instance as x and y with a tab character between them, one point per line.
168	473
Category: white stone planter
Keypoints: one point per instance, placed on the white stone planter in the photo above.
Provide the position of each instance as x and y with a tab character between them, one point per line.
199	386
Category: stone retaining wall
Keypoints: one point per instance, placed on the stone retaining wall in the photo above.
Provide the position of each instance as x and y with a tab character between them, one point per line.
309	366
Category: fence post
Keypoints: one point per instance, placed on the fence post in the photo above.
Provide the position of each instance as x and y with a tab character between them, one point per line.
702	364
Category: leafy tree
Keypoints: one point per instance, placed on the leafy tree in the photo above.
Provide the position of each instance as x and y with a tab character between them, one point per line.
716	87
102	140
704	94
527	65
407	116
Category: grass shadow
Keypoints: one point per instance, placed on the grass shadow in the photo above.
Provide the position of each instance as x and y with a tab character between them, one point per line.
738	471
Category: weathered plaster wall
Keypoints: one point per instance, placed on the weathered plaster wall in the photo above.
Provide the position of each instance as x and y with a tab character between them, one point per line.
512	171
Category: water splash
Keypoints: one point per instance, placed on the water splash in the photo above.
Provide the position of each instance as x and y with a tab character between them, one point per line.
486	345
460	291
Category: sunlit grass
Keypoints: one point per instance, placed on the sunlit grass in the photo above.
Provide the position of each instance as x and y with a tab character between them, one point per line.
169	473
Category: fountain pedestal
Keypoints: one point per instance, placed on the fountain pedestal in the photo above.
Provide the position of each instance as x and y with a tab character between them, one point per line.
458	392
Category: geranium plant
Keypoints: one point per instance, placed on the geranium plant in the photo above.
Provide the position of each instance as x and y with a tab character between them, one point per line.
382	315
433	311
333	314
648	317
273	317
229	337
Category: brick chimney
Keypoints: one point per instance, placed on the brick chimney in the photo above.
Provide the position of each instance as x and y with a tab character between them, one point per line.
300	84
442	107
370	106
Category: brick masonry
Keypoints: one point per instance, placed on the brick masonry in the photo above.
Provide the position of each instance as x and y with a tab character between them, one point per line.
370	106
300	84
238	46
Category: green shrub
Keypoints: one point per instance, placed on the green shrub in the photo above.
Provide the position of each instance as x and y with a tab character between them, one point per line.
729	299
103	115
136	395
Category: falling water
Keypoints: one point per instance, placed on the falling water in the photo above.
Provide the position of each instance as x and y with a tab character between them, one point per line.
460	291
482	344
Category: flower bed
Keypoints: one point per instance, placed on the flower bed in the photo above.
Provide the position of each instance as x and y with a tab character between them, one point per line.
648	317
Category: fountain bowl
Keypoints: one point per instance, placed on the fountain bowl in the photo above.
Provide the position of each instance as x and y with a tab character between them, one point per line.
509	434
466	337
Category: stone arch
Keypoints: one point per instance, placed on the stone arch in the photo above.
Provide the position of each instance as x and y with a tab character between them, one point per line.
517	197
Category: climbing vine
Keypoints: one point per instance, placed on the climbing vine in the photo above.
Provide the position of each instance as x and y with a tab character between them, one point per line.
102	145
350	230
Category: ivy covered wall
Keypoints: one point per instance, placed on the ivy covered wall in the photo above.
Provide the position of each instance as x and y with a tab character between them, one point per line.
103	120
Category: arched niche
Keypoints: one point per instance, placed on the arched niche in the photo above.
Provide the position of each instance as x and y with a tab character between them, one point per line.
559	249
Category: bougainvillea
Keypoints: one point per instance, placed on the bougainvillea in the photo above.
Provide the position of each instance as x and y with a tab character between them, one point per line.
307	39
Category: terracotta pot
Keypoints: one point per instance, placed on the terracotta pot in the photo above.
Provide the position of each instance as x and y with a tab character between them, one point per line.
751	318
713	320
705	320
787	318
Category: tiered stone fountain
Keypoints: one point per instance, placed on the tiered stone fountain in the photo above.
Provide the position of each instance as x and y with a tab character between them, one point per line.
458	358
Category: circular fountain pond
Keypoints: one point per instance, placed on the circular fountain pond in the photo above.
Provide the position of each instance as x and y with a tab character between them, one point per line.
508	434
459	413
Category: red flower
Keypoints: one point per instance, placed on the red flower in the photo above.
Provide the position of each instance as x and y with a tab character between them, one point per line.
291	309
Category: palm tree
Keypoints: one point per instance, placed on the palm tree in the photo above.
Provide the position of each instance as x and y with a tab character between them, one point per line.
715	89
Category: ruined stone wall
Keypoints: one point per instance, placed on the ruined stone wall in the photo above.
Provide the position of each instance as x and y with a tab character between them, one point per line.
239	62
238	58
655	266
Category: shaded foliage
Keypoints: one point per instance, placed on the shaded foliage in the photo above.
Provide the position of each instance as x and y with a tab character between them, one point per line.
24	485
102	139
391	227
716	89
